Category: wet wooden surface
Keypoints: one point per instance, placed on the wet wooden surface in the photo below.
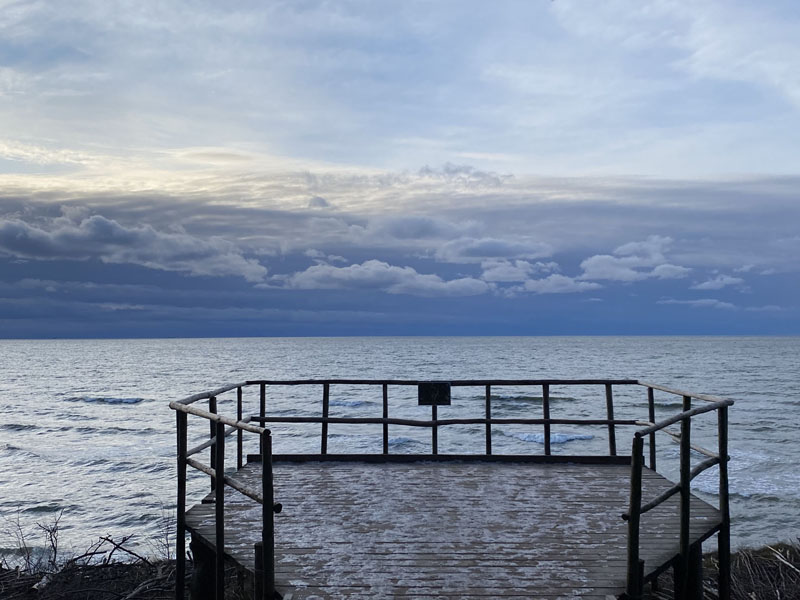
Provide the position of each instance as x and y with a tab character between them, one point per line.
451	530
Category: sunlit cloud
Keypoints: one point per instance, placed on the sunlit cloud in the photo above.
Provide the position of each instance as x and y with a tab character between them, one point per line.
718	282
378	275
701	303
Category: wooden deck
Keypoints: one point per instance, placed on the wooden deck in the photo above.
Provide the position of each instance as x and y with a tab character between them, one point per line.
451	529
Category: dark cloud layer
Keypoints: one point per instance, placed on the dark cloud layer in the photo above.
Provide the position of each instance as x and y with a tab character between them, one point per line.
79	237
524	258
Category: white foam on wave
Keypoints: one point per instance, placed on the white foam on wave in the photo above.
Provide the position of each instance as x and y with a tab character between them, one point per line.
752	475
104	400
555	438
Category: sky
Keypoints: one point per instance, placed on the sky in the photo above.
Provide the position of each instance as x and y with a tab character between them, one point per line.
538	167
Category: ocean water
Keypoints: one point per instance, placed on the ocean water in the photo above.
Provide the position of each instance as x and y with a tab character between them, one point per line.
86	431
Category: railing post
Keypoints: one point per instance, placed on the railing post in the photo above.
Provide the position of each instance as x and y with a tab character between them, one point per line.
651	414
262	406
180	537
488	418
682	576
385	416
267	518
219	510
724	535
239	454
434	430
212	459
635	581
326	389
262	401
612	436
546	415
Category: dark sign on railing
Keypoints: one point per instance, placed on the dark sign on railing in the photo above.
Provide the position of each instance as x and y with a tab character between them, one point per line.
434	393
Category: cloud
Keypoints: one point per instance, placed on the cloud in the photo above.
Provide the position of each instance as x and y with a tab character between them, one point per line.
76	236
416	227
468	249
667	271
112	306
320	257
464	174
513	271
318	202
378	275
766	308
630	258
604	266
649	252
718	282
702	303
558	284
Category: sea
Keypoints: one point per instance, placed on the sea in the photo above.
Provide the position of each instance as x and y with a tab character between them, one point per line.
87	438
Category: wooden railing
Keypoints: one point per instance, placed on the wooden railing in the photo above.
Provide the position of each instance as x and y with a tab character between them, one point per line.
265	549
265	578
435	422
683	583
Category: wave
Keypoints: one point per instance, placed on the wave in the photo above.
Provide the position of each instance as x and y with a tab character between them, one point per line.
11	449
18	427
349	403
104	400
526	399
555	438
402	441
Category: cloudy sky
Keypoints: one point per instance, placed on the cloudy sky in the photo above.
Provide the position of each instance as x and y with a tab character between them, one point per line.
388	168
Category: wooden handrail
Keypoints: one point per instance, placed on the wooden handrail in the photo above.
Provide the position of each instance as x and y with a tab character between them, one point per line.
206	395
452	382
199	412
441	422
687	414
676	392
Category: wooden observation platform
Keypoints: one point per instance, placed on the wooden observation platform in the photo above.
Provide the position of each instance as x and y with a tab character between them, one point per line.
451	526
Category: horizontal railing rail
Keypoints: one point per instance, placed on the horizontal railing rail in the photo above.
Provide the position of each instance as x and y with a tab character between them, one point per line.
676	392
653	427
207	395
452	382
439	422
